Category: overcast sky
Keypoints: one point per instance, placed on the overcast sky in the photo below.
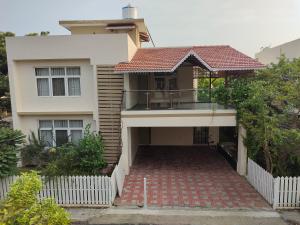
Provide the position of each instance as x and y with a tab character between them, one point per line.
246	25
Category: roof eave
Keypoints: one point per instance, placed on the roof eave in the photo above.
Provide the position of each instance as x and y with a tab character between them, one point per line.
172	70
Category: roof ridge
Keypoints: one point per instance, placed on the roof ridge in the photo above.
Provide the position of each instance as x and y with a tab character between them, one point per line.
187	47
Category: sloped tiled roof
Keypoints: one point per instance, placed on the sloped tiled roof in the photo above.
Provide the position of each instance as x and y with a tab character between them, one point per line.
214	58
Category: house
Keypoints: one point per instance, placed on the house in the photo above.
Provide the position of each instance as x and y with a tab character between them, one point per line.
268	55
101	75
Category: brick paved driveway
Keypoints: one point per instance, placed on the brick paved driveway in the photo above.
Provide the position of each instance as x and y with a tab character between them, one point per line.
187	177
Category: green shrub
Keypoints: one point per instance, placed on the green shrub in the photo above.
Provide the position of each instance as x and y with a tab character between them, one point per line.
34	153
9	146
91	149
22	207
86	158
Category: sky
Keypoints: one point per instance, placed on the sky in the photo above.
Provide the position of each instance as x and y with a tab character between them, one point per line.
246	25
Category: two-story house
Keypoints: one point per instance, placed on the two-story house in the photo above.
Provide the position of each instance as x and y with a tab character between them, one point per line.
101	75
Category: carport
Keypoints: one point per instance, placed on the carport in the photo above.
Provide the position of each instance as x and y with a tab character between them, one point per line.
158	145
181	176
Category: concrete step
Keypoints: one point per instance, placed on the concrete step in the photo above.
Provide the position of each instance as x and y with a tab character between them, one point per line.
186	216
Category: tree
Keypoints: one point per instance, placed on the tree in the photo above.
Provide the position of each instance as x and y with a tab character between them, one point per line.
3	60
268	106
42	33
9	145
22	207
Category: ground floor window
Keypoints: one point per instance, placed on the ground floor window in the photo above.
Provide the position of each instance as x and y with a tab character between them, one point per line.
201	135
59	132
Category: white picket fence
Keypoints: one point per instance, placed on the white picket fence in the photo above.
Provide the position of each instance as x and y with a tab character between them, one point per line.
78	190
281	192
261	180
287	192
72	190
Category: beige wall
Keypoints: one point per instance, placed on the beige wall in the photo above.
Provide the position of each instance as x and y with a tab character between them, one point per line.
179	135
29	101
133	34
99	48
134	142
172	135
270	55
88	51
185	78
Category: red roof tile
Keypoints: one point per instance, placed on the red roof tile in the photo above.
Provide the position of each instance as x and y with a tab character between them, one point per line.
215	58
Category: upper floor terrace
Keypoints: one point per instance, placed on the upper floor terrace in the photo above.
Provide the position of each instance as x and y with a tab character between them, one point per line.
169	78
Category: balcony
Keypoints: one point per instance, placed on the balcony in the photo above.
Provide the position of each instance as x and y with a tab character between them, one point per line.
184	99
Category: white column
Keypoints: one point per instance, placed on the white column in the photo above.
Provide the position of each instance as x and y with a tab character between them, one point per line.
242	152
126	143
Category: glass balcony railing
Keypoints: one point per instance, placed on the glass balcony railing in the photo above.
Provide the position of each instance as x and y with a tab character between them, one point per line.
169	99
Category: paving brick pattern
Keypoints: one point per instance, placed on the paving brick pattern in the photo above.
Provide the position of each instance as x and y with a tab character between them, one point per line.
187	177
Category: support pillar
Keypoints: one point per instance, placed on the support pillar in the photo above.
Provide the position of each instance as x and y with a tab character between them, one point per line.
126	143
242	152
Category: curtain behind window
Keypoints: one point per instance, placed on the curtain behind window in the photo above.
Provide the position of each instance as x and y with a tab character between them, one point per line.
73	71
41	71
74	86
46	137
58	71
76	135
43	86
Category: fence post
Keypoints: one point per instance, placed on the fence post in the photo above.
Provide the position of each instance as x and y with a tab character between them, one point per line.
276	192
145	192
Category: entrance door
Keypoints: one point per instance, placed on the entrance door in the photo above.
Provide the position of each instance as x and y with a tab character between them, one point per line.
201	135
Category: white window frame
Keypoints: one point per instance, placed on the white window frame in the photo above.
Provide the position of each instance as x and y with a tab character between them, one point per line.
65	77
54	129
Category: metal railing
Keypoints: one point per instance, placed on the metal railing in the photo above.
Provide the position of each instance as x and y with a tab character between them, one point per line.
166	99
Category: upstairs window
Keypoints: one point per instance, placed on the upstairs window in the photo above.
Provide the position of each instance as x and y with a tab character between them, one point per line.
58	81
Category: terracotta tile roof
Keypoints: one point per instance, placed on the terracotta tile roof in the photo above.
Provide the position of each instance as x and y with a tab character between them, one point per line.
215	58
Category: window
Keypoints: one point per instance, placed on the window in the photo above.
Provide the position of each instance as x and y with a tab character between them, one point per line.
201	135
59	132
58	81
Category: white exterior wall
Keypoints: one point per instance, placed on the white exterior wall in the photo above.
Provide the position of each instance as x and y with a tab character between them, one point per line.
134	137
86	51
29	101
270	55
242	152
99	48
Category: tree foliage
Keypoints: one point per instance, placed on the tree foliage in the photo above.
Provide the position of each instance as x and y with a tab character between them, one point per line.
22	207
9	145
268	106
3	59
